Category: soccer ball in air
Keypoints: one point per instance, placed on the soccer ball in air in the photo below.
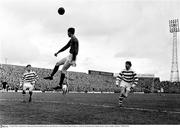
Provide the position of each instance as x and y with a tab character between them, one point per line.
61	11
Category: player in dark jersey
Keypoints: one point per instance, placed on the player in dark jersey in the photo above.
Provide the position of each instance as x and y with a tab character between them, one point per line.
68	61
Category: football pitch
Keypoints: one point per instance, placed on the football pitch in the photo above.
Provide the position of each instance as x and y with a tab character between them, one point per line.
89	109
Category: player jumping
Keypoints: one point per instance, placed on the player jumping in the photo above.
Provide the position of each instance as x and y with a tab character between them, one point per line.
126	79
28	81
68	61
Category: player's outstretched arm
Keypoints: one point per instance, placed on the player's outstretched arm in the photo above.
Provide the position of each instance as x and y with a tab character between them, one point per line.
63	49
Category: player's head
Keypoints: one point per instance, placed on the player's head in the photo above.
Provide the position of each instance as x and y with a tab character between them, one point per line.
128	65
71	32
28	67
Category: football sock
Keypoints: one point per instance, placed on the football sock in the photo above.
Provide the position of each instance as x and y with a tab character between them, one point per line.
30	93
23	92
123	95
62	79
54	70
120	99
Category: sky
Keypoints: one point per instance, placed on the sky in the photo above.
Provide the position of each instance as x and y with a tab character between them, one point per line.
110	32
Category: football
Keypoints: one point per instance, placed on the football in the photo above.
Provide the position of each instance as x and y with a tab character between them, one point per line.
61	11
64	89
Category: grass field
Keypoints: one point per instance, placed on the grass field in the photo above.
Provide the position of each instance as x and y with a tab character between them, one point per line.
81	108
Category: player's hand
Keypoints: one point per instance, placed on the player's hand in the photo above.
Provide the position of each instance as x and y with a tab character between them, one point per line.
55	54
117	83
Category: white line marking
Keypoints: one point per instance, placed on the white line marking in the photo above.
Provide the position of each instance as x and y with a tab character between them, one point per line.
97	105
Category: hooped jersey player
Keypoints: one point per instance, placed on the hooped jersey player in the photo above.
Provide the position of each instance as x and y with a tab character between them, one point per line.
29	77
128	76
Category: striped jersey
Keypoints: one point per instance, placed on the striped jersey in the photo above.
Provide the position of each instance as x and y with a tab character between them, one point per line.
128	76
29	76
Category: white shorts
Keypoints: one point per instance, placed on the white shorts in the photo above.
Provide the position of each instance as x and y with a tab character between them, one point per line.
66	62
126	85
64	87
28	85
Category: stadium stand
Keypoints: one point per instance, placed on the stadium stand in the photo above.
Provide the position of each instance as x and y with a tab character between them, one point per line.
77	81
83	82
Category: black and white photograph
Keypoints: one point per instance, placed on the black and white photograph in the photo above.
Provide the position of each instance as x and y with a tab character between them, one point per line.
89	63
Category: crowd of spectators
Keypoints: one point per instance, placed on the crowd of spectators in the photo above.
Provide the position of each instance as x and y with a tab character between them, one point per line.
77	81
83	82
